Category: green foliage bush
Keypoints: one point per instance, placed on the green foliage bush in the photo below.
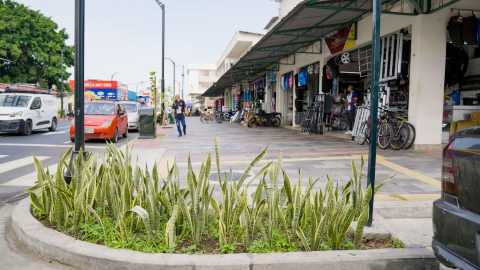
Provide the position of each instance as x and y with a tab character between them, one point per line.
122	206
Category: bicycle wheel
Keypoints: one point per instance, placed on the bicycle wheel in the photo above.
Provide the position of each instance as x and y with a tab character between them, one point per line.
401	137
363	133
275	122
385	134
411	138
203	119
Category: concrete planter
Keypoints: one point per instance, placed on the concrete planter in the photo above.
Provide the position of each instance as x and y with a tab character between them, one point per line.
57	246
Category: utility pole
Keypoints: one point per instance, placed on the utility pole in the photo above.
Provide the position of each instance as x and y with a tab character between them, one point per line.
173	62
372	151
61	82
155	101
183	73
79	86
162	6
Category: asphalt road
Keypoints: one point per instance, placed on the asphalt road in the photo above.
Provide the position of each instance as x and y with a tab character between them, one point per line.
16	152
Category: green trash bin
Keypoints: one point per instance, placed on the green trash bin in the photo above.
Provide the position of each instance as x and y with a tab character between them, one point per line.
147	123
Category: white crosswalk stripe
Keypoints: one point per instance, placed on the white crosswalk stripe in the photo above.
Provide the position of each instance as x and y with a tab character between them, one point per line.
55	133
14	164
29	179
1	156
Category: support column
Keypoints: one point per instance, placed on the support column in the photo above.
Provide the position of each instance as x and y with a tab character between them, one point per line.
427	77
294	111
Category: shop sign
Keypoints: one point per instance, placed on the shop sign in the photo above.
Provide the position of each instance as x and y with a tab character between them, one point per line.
272	73
96	84
334	46
235	100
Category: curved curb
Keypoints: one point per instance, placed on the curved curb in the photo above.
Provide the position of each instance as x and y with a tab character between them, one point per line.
65	249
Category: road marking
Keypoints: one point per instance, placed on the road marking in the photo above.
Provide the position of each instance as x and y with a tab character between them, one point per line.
162	165
54	133
380	160
411	173
48	145
3	156
406	197
29	179
14	164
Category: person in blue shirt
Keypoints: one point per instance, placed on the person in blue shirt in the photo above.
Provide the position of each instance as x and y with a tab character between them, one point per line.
350	103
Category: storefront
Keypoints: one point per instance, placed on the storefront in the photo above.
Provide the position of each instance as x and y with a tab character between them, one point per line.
257	93
286	91
414	73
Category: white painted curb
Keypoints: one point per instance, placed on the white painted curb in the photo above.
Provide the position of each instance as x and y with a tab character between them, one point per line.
57	246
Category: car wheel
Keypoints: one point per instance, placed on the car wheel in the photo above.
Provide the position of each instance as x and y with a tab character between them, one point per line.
54	125
115	136
27	130
125	135
72	139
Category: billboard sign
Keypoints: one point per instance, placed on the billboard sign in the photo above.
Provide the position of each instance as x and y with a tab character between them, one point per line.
337	45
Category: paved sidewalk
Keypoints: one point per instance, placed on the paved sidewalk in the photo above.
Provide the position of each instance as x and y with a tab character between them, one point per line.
417	172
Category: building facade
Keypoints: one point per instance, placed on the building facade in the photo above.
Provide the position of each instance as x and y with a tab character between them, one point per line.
309	36
200	78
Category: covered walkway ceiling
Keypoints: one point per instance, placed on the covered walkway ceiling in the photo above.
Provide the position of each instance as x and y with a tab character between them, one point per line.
302	29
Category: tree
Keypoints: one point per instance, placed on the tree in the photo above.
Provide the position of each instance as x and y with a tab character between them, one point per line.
33	45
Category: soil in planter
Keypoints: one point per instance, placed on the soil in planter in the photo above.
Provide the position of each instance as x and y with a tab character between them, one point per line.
209	243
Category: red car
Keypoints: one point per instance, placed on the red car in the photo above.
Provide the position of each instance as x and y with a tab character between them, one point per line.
103	120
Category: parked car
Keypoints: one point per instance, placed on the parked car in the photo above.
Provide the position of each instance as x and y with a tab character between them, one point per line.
456	216
103	120
133	109
22	113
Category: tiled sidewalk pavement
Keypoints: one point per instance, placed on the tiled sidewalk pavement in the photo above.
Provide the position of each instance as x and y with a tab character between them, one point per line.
417	172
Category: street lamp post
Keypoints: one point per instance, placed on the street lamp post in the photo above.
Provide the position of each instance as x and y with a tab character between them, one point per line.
376	63
61	76
162	6
79	86
183	73
178	86
173	75
111	81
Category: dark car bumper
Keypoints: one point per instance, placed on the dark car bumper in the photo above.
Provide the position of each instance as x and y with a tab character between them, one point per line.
17	125
456	241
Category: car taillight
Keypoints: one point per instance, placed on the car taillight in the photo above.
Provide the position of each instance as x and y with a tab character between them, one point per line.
449	184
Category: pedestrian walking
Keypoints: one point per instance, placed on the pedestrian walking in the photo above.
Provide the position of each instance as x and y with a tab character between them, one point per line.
180	110
350	103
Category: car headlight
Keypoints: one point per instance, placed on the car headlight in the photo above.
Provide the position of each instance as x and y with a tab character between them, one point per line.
15	114
107	123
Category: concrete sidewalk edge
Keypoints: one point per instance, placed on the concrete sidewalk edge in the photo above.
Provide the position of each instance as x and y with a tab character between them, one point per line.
57	246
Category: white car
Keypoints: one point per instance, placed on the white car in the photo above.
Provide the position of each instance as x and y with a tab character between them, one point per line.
133	109
23	113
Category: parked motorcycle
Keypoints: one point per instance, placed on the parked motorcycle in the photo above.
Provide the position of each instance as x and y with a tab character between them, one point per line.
266	119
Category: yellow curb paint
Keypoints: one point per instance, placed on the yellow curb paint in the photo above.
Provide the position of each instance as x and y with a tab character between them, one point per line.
380	160
162	166
283	160
406	197
411	173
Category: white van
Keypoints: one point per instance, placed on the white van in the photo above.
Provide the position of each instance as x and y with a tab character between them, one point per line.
133	109
22	112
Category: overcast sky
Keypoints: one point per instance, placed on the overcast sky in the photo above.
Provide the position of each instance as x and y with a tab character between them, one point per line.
125	35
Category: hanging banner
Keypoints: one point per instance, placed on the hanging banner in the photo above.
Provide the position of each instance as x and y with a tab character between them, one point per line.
334	46
235	101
